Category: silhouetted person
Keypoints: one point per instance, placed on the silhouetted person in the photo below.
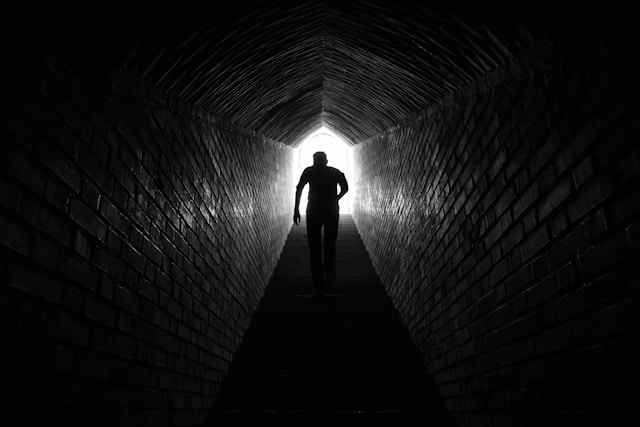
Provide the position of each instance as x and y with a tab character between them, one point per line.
322	211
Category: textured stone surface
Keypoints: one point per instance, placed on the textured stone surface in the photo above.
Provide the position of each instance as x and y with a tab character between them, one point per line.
286	68
498	165
345	354
495	222
138	235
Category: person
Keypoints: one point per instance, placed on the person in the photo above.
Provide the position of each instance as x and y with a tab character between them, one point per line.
323	212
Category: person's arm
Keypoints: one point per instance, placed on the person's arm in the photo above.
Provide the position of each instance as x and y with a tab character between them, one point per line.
296	208
344	187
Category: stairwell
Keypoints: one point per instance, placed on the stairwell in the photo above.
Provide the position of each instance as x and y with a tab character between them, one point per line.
344	353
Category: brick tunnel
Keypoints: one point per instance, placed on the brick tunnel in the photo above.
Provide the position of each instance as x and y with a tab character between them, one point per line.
147	191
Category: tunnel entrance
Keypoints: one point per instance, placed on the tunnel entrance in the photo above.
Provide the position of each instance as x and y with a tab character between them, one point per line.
339	155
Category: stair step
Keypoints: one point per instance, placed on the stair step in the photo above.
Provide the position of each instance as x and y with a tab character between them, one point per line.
322	319
390	392
328	358
332	301
341	335
346	353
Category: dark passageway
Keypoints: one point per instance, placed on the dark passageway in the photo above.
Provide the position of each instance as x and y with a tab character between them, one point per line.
147	186
344	354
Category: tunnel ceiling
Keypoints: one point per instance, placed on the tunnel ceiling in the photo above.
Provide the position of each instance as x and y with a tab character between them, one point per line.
283	69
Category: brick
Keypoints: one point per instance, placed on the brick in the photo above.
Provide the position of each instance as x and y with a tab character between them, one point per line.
124	322
68	328
626	169
525	199
493	234
67	141
100	311
136	237
93	365
534	243
34	282
595	226
551	341
88	220
123	192
44	252
78	270
588	198
161	318
614	319
46	220
14	236
64	358
541	155
157	358
54	161
122	346
131	277
107	286
611	287
148	290
582	172
126	299
9	194
90	194
567	248
558	223
100	337
499	271
74	299
604	255
133	257
577	146
109	263
152	252
100	147
505	200
554	198
112	216
542	291
118	372
57	196
567	275
82	244
95	169
623	208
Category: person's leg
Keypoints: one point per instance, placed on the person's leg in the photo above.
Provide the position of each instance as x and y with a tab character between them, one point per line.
314	231
330	236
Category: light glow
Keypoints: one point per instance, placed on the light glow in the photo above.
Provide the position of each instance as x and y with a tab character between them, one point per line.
338	156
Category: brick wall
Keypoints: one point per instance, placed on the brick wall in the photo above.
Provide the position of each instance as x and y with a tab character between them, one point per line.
136	238
504	223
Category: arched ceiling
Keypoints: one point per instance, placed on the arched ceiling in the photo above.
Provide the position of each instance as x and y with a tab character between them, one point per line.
285	68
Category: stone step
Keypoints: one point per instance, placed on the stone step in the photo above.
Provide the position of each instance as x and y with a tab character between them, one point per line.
328	357
346	352
390	392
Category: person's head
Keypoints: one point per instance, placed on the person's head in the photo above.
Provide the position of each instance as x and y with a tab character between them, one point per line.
319	158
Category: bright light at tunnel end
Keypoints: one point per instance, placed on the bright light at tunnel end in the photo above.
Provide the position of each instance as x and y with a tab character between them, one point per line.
339	155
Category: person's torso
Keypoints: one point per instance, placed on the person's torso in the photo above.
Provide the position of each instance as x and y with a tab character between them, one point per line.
323	186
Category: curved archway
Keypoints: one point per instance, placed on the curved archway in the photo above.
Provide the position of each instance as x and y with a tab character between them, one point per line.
338	154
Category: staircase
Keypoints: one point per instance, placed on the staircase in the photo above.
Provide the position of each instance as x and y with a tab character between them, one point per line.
345	353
